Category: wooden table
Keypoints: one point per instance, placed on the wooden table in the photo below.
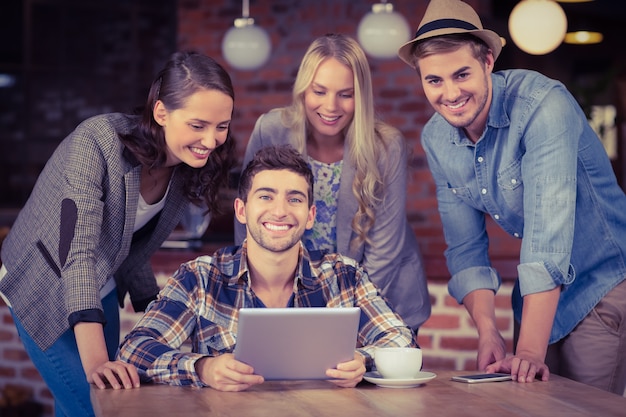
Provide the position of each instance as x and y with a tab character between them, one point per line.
439	397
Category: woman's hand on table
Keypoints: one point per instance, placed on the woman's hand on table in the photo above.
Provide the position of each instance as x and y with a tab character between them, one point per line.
348	374
117	374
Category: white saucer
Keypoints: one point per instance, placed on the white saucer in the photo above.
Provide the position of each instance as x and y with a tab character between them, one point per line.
421	378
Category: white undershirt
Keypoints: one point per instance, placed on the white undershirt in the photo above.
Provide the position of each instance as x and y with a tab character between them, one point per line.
145	212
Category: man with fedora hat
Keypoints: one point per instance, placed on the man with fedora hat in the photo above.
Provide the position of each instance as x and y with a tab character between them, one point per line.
515	145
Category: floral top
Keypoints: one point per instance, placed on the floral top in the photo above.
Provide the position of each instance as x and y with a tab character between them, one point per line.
323	235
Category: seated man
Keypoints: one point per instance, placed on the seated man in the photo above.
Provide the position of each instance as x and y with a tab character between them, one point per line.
203	298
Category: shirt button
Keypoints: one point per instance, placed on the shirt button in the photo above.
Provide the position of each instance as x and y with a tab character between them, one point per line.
453	191
497	217
516	234
484	191
480	159
513	181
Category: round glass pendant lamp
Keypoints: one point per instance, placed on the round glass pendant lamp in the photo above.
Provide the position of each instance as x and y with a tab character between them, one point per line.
537	27
245	45
382	31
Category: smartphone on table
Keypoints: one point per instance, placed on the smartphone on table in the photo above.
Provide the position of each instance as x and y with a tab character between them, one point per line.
477	378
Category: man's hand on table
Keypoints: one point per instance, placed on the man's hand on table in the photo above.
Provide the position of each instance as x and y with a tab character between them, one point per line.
348	374
225	373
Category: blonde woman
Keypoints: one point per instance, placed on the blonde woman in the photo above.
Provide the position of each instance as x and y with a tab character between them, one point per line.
360	169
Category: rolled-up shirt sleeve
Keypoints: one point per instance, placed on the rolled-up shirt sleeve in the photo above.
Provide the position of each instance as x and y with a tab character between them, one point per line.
473	278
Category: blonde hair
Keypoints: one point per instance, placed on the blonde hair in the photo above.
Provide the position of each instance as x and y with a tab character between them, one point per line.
365	135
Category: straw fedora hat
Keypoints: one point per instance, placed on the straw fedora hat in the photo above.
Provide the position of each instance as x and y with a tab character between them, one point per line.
445	17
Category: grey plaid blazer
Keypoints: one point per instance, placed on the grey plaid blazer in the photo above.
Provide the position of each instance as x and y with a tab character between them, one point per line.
76	230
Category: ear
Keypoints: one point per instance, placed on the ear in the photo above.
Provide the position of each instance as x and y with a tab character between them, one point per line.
489	62
240	210
311	219
159	113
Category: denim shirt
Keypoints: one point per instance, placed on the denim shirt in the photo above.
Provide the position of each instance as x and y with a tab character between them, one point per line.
544	177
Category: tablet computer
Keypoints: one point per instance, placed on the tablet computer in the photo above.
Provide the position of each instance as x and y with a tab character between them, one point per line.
296	343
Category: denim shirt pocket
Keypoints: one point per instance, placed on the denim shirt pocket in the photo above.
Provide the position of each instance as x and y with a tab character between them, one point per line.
464	193
511	187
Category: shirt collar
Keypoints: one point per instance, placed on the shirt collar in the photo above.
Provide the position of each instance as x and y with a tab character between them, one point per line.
236	270
498	117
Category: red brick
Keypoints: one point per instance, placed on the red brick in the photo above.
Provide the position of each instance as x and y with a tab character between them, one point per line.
425	342
502	323
503	302
45	393
7	372
7	318
31	374
7	335
435	362
459	343
441	321
450	301
15	355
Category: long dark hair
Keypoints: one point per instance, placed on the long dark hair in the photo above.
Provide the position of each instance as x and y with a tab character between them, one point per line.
183	75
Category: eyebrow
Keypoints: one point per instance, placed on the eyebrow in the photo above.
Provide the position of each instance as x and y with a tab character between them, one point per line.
461	70
206	122
454	74
275	191
317	85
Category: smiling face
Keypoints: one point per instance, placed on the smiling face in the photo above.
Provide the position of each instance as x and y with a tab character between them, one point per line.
196	129
458	86
329	99
276	212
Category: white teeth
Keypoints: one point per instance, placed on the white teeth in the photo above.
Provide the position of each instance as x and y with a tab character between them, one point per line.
329	119
200	151
276	227
456	106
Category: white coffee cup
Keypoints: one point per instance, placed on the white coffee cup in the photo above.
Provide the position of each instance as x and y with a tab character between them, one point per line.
398	362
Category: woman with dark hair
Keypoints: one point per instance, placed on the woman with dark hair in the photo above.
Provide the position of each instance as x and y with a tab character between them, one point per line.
109	196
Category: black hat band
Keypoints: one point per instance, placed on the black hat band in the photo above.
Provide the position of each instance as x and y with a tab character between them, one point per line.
445	24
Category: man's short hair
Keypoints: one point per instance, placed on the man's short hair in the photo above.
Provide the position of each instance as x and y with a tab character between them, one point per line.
449	43
274	158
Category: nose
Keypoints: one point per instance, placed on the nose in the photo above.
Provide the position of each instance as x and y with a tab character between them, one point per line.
451	92
330	102
279	207
209	139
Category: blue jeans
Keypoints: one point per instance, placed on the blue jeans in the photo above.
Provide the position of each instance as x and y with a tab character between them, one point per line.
60	365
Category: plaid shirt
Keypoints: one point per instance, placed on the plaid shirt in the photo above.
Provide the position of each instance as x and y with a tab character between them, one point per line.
201	302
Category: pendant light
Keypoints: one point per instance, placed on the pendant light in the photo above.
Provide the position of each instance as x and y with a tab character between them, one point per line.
382	31
577	32
537	26
245	45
